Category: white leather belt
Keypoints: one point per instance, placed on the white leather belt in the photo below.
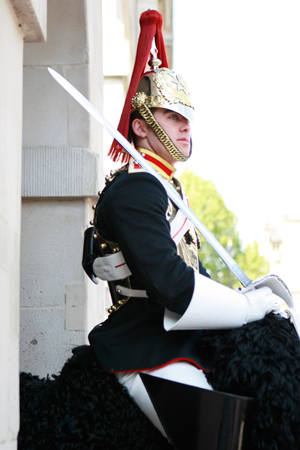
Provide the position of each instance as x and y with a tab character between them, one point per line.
131	292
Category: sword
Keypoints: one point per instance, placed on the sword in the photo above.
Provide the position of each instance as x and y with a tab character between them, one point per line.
272	281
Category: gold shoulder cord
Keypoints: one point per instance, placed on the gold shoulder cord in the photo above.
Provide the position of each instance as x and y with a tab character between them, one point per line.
113	174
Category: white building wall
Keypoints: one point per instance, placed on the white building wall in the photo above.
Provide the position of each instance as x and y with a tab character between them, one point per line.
289	254
280	244
19	20
10	202
289	251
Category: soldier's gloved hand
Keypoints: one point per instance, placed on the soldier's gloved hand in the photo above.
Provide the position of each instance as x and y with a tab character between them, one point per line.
216	307
260	302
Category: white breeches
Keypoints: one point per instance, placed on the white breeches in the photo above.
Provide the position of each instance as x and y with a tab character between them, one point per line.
181	372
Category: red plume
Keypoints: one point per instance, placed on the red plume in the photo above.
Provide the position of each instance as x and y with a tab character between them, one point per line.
151	26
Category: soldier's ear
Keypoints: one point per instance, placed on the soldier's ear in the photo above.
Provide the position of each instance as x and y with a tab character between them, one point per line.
139	127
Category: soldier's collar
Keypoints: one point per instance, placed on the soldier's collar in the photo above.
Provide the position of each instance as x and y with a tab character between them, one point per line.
165	169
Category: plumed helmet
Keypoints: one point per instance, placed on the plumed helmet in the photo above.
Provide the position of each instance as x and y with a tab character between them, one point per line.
159	87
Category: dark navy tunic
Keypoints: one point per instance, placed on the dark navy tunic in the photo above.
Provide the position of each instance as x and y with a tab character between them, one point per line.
132	212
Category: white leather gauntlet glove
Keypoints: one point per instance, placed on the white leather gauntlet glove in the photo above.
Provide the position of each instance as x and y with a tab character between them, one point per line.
214	306
260	302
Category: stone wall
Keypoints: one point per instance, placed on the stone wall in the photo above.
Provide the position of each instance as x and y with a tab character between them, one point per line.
20	20
61	175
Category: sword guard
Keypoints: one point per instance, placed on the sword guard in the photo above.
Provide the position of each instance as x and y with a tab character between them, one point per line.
277	286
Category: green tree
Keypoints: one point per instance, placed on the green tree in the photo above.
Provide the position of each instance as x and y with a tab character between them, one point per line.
208	205
252	263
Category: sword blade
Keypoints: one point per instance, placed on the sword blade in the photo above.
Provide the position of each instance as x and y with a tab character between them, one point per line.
172	194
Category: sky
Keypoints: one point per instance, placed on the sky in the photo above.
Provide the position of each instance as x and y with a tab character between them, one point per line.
241	61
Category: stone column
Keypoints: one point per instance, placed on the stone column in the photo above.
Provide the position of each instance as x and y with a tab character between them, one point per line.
62	173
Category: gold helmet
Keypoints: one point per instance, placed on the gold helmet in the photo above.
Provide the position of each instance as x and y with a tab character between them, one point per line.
163	88
160	87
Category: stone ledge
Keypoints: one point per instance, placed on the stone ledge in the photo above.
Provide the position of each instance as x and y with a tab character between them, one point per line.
59	172
32	18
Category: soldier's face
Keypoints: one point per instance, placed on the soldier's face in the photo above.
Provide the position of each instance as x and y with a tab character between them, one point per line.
174	124
177	128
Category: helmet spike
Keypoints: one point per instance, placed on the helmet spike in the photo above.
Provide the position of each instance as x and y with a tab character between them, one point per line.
154	62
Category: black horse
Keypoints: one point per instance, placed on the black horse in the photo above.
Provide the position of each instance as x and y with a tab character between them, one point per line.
86	408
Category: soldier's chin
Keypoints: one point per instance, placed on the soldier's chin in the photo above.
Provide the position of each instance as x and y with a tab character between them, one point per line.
185	149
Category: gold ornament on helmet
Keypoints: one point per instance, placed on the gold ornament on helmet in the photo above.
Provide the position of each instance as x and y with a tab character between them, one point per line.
163	88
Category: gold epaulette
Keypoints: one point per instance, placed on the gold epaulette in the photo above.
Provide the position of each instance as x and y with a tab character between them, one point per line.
114	173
